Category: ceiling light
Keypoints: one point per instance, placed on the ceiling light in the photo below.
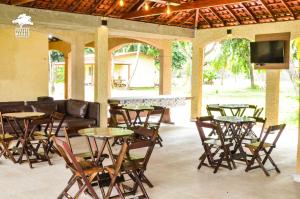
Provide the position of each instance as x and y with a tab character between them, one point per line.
146	6
168	9
121	3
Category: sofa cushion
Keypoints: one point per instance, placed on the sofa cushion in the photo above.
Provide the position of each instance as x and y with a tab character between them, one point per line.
77	108
47	108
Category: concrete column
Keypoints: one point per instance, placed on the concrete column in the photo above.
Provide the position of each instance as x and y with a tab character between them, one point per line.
102	73
76	70
197	70
298	146
272	96
165	73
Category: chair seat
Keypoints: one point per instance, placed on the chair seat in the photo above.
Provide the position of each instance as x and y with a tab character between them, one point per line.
255	145
40	137
42	133
7	137
88	168
87	155
216	142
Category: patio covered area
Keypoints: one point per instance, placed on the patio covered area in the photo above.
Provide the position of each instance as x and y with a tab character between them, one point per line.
72	26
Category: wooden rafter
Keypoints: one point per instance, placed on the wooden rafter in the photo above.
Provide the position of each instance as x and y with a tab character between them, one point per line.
188	18
55	4
20	2
249	12
135	5
232	14
196	19
111	9
173	18
288	8
204	18
94	6
267	9
217	15
182	7
74	5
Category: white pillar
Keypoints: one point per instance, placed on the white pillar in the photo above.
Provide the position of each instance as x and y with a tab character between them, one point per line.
102	73
76	70
197	70
165	75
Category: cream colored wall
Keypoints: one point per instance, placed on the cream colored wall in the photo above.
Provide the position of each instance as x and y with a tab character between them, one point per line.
23	66
145	72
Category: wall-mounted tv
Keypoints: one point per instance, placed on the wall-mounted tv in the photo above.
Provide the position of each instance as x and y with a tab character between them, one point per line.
263	52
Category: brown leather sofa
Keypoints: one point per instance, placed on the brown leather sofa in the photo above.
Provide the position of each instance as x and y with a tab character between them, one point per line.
77	112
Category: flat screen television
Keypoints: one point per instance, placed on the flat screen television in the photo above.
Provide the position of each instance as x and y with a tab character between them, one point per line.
263	52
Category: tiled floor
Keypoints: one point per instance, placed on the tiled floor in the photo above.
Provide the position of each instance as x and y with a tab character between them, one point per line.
172	170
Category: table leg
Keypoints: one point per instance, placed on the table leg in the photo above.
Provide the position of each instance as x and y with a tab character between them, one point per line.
167	117
100	152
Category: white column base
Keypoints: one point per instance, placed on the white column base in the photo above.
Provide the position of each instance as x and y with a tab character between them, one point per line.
296	177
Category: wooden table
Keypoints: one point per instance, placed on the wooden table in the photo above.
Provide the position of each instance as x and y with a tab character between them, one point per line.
137	109
27	117
238	128
105	134
236	109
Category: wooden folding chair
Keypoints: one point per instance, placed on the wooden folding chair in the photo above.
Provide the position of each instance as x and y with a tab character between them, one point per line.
72	132
154	119
215	111
5	141
114	172
264	148
84	172
52	130
118	119
141	160
258	112
213	147
253	136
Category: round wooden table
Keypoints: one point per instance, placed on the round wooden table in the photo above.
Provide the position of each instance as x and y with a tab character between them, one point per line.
27	117
105	134
238	127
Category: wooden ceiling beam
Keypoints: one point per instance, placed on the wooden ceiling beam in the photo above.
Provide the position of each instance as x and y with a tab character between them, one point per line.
189	17
204	18
288	8
20	2
54	4
268	10
74	5
232	14
249	13
111	9
94	6
182	7
196	19
135	5
173	18
217	15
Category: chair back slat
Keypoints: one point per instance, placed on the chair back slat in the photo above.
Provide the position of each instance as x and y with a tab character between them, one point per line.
60	117
276	131
155	116
59	145
115	116
215	111
258	112
2	130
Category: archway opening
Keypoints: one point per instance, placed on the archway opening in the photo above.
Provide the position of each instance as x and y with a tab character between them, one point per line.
135	70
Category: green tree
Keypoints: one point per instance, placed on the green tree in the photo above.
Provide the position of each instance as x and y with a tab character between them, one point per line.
234	56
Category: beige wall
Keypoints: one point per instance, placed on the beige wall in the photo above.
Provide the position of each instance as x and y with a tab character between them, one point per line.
23	66
145	66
